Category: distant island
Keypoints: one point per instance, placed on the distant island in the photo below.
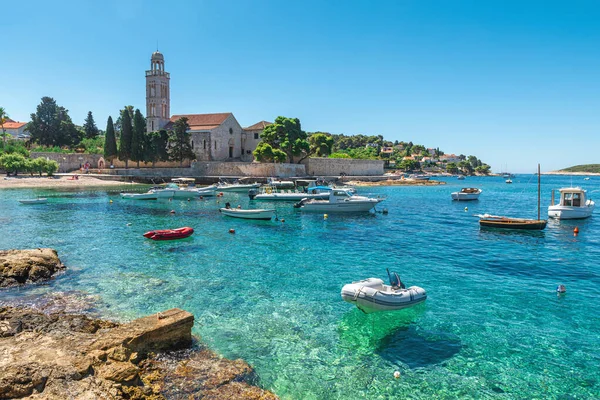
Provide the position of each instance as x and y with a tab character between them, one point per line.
587	168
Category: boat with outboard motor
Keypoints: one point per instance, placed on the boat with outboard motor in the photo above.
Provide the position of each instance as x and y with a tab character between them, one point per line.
573	204
236	187
271	193
39	200
340	200
466	194
169	234
257	213
149	195
372	295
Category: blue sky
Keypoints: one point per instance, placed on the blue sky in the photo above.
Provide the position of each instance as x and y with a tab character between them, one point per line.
512	82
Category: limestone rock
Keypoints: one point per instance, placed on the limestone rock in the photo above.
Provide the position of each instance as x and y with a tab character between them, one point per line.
18	267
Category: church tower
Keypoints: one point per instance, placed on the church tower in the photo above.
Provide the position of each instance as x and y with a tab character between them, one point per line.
158	100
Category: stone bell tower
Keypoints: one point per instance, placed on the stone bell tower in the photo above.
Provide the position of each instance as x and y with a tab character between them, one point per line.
158	94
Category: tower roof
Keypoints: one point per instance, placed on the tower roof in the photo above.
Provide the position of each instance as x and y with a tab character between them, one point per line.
157	55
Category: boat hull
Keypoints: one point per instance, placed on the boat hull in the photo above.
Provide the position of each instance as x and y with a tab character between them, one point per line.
139	196
34	201
169	234
566	212
261	214
290	196
238	188
370	296
339	207
530	225
462	196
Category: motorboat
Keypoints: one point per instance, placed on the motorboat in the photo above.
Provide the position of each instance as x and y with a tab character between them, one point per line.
508	181
270	193
258	213
372	295
236	187
573	204
466	194
169	234
39	200
149	195
279	184
460	177
419	177
339	201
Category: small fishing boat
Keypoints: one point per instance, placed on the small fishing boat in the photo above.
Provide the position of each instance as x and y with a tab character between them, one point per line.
258	213
169	234
39	200
509	181
466	194
573	204
372	295
496	221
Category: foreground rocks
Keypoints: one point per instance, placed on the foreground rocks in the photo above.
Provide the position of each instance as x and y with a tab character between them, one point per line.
18	267
60	356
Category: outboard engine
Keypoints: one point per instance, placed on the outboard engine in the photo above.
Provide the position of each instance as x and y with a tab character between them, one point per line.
252	193
300	203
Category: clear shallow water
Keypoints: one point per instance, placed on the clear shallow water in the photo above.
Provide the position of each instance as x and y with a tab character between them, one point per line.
492	326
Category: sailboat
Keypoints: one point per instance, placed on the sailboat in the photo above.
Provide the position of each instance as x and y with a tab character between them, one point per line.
495	221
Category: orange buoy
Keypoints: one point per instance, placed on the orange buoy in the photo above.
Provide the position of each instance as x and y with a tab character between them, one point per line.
220	193
232	231
576	231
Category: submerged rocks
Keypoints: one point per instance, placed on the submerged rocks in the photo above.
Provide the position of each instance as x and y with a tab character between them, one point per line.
62	355
18	267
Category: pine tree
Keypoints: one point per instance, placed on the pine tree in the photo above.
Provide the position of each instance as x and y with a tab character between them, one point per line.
89	127
179	142
110	143
137	138
126	134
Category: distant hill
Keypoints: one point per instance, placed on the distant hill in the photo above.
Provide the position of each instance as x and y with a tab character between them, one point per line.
592	168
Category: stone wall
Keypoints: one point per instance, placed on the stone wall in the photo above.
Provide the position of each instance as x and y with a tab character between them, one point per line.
248	169
69	162
339	166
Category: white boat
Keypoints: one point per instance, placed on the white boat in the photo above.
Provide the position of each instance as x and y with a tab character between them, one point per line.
279	184
39	200
466	194
339	201
509	181
184	192
270	193
149	195
259	213
237	187
460	177
573	204
372	295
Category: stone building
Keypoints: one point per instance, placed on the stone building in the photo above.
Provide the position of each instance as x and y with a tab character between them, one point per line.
214	137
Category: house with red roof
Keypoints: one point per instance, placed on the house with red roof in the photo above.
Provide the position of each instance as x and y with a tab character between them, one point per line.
16	129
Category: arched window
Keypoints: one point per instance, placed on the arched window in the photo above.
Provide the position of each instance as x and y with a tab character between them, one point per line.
231	131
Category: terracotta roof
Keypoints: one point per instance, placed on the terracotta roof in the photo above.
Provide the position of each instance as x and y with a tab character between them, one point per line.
258	125
14	125
203	119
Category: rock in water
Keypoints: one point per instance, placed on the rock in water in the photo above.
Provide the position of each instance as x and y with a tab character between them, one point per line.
18	267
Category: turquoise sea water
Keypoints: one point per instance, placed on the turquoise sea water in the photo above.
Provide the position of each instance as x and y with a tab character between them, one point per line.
492	327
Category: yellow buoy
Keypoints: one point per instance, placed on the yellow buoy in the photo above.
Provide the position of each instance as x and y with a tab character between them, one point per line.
466	209
325	216
110	202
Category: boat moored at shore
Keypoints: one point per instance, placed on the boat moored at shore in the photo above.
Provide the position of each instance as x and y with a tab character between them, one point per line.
339	201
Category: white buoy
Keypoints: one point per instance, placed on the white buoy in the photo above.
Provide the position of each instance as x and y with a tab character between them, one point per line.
397	374
561	289
129	224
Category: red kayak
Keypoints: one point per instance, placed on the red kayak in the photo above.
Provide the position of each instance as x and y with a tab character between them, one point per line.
169	234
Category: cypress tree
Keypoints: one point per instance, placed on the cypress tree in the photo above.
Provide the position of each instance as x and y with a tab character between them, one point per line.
110	143
126	134
137	138
179	142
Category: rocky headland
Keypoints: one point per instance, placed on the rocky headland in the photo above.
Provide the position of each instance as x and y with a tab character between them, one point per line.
18	267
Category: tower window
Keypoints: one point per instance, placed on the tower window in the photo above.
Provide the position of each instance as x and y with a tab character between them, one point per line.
215	144
192	144
256	135
205	145
230	131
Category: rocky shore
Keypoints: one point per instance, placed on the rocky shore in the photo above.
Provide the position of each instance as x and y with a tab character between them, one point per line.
60	356
18	267
50	350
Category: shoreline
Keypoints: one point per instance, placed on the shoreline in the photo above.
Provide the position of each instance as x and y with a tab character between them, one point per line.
58	181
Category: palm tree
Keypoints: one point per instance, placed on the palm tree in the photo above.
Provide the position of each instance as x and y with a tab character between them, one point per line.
3	118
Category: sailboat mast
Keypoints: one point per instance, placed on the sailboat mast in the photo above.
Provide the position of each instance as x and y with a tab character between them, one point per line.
538	192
